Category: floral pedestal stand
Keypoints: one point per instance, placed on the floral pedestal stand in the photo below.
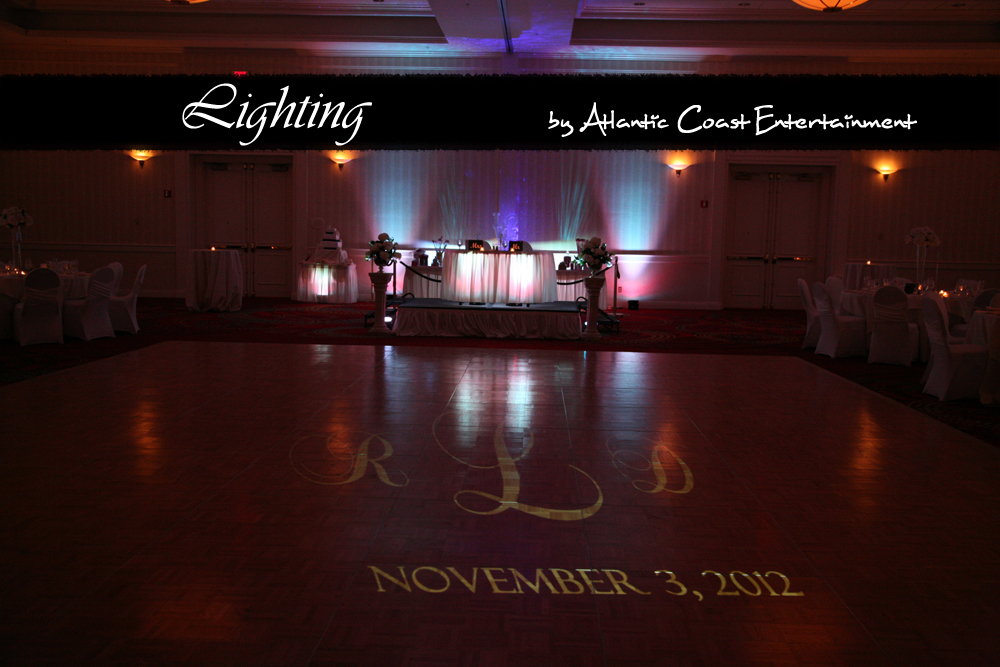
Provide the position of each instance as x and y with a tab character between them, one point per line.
594	286
380	281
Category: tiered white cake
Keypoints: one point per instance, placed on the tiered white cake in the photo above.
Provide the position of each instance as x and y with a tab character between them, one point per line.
330	250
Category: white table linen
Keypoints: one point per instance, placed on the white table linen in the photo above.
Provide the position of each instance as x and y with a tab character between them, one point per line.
572	292
71	286
499	277
487	322
216	281
420	288
327	283
979	328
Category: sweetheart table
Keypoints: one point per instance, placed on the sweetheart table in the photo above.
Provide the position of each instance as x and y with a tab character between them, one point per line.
499	277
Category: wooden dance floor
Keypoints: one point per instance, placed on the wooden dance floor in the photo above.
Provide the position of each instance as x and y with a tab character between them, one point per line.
255	504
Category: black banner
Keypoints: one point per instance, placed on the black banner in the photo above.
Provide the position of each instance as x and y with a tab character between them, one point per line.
549	112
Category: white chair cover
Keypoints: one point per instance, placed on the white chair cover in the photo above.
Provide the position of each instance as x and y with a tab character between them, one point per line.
952	339
955	371
121	309
895	340
38	319
834	288
840	335
989	391
117	268
7	304
813	325
88	318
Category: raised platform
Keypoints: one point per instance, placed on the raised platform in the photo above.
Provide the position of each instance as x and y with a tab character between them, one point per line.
438	317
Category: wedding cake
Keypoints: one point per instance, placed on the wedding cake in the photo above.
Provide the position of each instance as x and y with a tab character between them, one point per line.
331	249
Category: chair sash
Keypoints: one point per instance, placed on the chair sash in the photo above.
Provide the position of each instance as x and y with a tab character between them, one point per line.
895	312
99	290
35	295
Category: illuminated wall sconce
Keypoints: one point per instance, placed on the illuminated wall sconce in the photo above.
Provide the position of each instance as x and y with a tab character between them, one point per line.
140	156
678	167
886	170
340	157
830	5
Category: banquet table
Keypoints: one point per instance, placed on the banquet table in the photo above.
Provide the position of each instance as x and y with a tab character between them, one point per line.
72	286
420	288
980	326
499	277
862	304
216	281
327	283
856	272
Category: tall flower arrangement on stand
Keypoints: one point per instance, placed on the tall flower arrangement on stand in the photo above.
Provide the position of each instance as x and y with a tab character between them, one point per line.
382	251
15	218
593	255
922	238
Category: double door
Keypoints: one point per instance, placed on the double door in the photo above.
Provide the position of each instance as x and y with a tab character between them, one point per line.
776	231
246	205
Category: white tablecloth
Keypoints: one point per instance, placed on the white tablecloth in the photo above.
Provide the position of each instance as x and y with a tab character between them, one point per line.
856	272
862	304
979	328
499	277
420	288
12	290
73	286
488	322
328	283
216	280
572	292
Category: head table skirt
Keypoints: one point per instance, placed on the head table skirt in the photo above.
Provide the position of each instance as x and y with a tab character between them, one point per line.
501	277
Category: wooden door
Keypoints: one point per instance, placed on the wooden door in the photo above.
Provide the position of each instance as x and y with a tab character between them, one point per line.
775	231
247	206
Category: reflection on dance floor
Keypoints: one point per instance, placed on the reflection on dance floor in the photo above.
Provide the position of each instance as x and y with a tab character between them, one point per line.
262	504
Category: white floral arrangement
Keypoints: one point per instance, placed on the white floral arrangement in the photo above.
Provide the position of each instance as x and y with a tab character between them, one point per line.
16	217
923	237
594	255
382	251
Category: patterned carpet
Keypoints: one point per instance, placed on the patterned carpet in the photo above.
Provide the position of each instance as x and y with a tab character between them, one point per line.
754	332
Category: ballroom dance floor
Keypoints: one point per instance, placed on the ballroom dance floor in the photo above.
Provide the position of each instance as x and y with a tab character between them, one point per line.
265	504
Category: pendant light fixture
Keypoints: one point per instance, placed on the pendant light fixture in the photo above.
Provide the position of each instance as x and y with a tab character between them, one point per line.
830	5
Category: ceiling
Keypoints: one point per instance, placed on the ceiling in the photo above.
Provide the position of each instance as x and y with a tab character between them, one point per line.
960	30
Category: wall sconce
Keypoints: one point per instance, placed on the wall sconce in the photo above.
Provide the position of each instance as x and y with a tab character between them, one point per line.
340	157
829	5
678	167
140	156
886	170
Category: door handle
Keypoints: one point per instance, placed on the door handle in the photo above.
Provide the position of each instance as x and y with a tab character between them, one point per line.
747	257
792	258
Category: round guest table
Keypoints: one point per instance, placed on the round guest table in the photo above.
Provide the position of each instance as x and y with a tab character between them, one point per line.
71	286
499	277
980	327
216	280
